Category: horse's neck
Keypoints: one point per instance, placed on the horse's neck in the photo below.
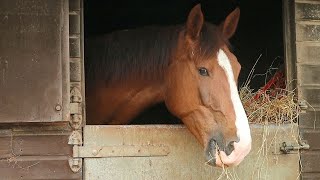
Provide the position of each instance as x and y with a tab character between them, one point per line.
144	52
120	104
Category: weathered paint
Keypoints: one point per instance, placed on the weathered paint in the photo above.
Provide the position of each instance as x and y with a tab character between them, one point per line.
35	152
185	160
34	62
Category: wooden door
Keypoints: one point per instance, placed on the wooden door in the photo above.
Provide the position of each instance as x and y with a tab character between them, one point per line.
171	152
40	88
34	61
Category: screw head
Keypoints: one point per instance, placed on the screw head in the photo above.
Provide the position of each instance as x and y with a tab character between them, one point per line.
94	152
58	107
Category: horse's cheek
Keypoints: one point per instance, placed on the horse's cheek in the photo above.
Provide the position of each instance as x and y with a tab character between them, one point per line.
172	97
207	89
205	96
179	96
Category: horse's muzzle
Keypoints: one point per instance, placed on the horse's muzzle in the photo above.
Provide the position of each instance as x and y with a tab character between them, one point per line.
214	147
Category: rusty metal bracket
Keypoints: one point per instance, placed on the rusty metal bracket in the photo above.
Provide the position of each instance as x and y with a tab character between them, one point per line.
287	148
75	108
75	139
123	151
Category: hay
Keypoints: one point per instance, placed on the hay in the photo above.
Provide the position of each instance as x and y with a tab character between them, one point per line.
272	104
277	107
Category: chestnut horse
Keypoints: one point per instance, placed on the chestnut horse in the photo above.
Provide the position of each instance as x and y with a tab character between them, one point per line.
189	67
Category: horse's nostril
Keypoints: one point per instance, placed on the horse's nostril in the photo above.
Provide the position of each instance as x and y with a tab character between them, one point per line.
212	145
219	143
229	148
211	152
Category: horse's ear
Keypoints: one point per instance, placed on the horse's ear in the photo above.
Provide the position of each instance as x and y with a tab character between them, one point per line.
230	24
194	22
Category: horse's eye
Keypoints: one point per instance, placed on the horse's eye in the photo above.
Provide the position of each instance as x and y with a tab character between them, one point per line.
203	71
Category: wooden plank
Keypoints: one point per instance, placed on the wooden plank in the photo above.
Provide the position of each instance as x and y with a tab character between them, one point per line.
313	138
308	74
5	143
289	43
41	145
186	159
36	152
310	120
308	53
44	143
307	11
37	167
310	161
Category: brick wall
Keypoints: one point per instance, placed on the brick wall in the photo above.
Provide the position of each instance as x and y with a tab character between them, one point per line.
307	47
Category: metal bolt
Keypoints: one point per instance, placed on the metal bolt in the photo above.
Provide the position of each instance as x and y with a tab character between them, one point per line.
75	162
58	107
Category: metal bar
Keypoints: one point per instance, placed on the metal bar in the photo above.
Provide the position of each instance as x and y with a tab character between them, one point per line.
123	151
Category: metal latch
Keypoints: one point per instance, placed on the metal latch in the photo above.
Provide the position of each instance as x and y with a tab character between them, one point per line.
75	108
287	148
75	162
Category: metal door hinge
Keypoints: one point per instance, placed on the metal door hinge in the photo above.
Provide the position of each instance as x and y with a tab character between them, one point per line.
303	105
148	150
75	139
75	108
287	148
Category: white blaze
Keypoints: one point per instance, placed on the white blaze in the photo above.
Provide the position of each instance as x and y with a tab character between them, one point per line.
243	147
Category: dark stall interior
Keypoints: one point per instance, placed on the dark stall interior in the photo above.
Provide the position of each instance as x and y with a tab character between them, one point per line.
259	33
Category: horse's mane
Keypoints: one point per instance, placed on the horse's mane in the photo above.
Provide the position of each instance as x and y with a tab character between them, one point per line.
138	53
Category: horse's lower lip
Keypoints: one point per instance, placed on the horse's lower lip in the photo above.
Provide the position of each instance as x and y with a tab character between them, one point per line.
211	153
